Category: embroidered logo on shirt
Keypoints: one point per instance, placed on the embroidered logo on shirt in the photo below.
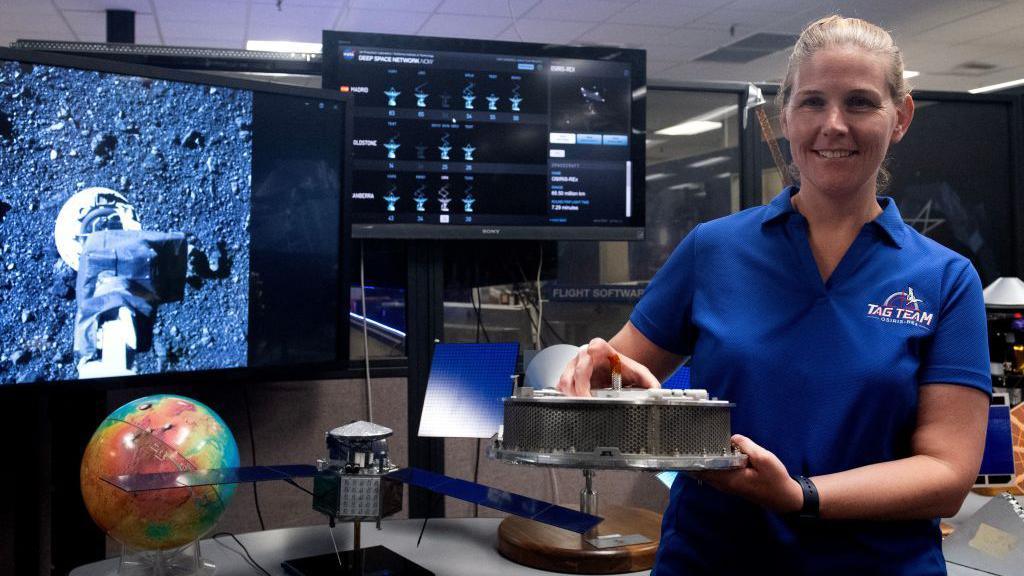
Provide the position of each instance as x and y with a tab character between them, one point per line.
902	308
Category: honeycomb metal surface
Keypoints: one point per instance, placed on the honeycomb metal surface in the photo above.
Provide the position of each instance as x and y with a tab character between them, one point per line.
652	429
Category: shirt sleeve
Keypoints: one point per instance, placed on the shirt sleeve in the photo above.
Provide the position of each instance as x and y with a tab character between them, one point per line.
958	351
664	313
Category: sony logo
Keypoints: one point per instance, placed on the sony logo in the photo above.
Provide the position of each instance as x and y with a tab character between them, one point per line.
491	231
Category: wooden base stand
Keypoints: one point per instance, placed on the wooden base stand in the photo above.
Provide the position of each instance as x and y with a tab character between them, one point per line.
548	548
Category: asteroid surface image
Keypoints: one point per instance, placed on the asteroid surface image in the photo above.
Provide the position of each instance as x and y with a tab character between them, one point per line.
151	275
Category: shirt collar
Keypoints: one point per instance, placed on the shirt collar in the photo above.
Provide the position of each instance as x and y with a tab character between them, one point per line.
889	221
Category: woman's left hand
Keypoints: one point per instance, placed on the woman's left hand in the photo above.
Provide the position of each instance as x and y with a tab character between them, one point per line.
763	481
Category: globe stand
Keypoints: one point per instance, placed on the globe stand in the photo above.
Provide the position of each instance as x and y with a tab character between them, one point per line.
184	561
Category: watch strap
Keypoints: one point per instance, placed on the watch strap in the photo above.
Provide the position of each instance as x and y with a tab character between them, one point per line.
812	501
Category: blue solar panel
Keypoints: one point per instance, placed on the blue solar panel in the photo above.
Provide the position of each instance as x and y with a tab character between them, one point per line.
165	480
465	388
679	380
667	477
998	456
516	504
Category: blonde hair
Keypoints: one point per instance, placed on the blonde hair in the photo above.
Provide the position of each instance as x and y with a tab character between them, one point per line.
835	31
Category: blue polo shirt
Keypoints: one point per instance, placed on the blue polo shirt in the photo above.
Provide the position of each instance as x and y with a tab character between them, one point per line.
823	374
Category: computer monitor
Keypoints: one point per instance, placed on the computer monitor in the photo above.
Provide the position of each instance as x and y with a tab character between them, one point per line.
458	138
159	222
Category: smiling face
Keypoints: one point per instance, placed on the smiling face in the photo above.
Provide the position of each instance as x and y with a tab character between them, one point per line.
840	120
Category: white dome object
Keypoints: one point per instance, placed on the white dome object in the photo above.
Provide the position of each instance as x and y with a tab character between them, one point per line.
1005	292
361	430
547	366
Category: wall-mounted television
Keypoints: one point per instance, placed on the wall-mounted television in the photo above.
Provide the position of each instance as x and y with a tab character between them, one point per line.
456	138
155	223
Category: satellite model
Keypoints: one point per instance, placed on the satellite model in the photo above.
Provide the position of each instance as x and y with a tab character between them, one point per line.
358	482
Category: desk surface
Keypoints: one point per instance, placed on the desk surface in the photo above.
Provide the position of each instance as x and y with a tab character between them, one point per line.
450	547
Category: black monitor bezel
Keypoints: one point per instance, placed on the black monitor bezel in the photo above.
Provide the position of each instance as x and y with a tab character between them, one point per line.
636	58
337	368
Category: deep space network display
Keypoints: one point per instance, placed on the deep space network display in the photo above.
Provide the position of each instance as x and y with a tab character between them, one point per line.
136	236
460	141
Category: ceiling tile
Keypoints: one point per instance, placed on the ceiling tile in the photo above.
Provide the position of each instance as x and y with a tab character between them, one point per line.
141	6
787	6
977	26
548	31
265	17
486	7
1012	37
34	22
146	31
769	68
749	19
928	57
264	31
11	7
381	21
294	3
909	17
234	32
398	5
220	12
666	12
627	34
578	10
936	35
674	52
462	26
87	26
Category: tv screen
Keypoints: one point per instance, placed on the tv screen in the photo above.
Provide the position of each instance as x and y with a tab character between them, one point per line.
457	138
158	222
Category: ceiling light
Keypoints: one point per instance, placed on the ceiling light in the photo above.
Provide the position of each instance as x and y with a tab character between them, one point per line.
717	113
283	46
689	128
658	176
686	186
655	142
709	162
907	74
994	87
705	122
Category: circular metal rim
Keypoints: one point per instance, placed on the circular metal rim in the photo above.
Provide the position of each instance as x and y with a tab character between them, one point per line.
652	401
619	461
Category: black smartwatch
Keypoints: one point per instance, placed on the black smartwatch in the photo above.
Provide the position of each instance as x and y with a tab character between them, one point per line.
810	509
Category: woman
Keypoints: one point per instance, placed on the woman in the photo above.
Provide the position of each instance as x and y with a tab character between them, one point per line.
853	347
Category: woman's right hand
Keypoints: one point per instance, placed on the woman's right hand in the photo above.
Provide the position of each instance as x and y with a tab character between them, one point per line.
591	367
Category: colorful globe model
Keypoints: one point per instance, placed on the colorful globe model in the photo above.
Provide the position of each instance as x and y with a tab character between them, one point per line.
162	433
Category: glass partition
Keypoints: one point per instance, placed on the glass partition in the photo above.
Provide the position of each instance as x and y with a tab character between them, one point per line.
951	176
588	289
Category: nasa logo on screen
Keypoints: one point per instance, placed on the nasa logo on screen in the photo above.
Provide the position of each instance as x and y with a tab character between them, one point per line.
348	54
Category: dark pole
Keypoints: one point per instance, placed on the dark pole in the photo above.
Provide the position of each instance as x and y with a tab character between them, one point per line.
121	26
425	322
